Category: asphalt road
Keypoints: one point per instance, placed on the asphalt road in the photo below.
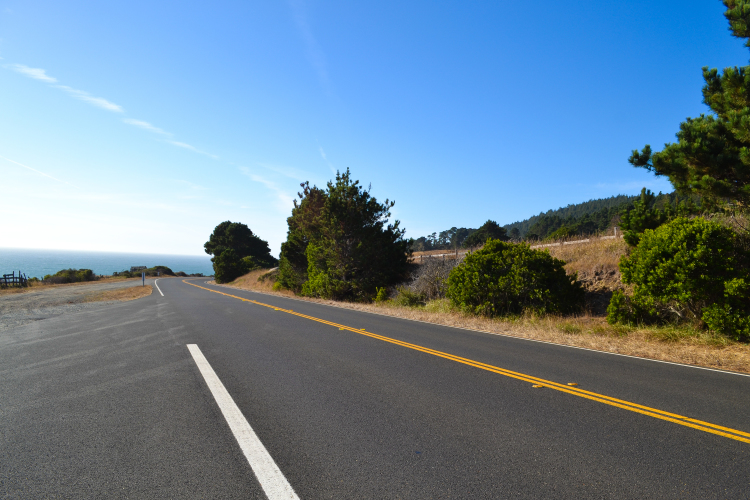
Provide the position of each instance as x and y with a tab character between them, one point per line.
110	403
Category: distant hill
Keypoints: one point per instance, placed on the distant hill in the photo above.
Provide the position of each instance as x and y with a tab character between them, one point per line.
603	208
589	217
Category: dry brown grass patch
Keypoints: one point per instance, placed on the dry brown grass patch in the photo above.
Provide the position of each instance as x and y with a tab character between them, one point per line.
451	251
122	294
252	281
597	264
593	258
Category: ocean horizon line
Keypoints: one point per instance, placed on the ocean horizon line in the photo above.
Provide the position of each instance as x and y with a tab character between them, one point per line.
100	251
34	262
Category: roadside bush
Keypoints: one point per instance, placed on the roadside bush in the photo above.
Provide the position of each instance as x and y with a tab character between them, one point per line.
272	276
408	298
687	270
622	310
508	278
70	276
381	295
431	277
154	271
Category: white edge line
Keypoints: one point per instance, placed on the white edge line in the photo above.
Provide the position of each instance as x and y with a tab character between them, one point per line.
269	476
727	372
157	287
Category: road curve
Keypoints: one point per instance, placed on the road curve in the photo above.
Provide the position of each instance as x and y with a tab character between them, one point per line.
110	402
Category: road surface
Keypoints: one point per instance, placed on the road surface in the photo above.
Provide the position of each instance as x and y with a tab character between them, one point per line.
123	402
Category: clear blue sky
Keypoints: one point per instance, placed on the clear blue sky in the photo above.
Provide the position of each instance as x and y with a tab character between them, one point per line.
140	125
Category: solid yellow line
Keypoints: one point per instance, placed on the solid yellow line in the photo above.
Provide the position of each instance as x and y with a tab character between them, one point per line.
593	396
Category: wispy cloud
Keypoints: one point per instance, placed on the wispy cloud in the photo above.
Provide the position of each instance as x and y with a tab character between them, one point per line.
325	159
191	185
192	148
314	53
40	74
156	130
146	126
285	199
96	101
290	172
35	73
35	170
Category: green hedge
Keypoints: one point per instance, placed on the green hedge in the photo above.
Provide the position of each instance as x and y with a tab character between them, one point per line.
687	271
509	278
70	276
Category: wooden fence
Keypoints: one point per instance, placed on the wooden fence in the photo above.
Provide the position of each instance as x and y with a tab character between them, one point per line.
13	280
576	242
454	254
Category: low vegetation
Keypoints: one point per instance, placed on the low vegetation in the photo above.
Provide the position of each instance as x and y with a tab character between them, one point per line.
687	271
505	279
70	276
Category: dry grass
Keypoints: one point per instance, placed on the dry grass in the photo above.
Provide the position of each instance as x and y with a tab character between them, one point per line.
596	257
675	344
252	281
450	251
122	294
596	263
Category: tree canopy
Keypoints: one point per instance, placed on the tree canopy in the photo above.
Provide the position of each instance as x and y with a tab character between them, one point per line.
303	227
348	244
450	238
236	250
711	157
489	229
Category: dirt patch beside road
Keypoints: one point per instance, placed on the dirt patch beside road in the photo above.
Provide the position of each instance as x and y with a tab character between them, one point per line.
42	302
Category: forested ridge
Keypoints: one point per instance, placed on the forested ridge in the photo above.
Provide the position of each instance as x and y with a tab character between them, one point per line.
593	208
579	219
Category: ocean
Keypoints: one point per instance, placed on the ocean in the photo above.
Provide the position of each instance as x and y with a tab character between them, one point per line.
37	263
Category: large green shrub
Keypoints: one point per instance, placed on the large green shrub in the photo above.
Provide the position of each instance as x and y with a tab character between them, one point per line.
688	270
70	276
507	278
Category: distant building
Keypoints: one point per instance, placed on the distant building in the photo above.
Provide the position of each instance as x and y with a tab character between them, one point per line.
134	269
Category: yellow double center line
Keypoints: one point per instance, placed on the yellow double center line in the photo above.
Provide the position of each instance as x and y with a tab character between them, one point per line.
593	396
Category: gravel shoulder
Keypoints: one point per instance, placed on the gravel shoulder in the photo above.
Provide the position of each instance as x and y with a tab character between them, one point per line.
40	303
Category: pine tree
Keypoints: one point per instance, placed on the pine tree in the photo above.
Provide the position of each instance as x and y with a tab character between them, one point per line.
711	157
349	247
642	216
489	229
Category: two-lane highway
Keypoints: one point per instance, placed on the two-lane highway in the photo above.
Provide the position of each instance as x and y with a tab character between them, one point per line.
349	405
